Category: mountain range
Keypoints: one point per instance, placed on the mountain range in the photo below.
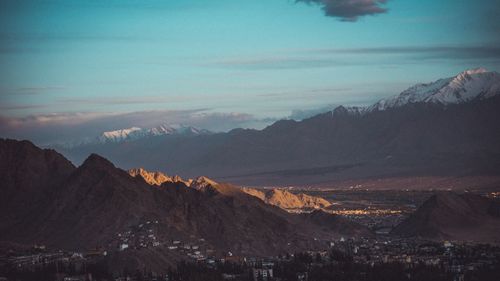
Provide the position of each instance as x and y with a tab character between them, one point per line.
288	200
46	200
157	178
134	133
277	197
474	84
447	128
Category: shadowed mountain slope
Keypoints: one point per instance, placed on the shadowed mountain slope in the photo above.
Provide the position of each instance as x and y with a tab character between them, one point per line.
29	179
89	205
417	139
336	223
450	216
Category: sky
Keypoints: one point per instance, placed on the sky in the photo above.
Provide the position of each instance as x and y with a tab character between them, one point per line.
75	68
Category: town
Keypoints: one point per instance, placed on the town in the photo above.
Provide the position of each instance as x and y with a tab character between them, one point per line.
361	259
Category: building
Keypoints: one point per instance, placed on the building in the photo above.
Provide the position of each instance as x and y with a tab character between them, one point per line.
262	274
123	247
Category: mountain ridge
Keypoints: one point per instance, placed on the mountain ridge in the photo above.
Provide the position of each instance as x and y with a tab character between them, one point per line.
88	205
417	139
134	133
287	200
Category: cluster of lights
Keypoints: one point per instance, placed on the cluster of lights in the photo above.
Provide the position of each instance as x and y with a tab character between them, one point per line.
379	212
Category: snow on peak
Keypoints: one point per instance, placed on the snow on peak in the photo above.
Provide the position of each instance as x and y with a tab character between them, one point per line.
471	84
474	71
119	135
136	133
349	110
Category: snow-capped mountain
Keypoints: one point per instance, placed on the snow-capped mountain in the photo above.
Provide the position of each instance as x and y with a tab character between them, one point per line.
349	110
135	133
120	135
467	86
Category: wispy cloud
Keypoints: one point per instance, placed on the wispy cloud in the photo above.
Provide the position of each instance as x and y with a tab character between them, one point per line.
12	107
123	100
442	51
13	43
54	37
349	10
290	62
37	90
341	57
60	127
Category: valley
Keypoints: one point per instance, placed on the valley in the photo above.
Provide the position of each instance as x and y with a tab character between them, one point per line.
119	221
231	140
390	185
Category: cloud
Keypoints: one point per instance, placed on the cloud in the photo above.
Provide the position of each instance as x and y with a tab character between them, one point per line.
36	90
9	107
122	100
276	63
45	129
15	43
349	10
338	57
463	52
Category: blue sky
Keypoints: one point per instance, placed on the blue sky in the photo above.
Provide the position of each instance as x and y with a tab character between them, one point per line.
227	63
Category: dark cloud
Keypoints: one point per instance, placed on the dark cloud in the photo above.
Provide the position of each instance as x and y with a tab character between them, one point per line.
349	10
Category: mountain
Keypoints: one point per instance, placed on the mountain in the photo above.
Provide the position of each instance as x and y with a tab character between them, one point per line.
469	85
277	197
202	183
473	84
156	178
287	200
412	140
451	216
135	133
49	201
29	179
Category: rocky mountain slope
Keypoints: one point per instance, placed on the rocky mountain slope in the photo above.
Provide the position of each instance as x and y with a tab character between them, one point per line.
156	178
450	216
277	197
86	207
287	200
159	178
